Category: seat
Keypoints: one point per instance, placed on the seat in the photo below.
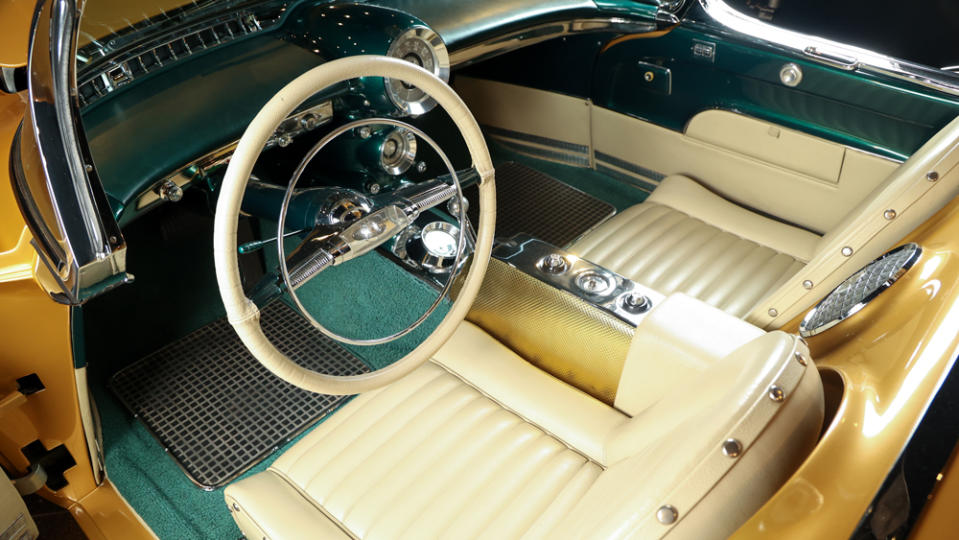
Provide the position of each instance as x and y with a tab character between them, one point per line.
480	443
685	238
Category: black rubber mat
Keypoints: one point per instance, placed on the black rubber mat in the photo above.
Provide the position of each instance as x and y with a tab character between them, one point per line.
528	201
216	409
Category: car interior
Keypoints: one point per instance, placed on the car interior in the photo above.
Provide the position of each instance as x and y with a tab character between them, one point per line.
666	209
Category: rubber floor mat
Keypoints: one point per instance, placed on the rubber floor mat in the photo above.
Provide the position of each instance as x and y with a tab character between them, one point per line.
215	409
528	201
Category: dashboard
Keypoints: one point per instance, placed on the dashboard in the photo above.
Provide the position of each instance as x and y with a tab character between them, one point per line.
167	112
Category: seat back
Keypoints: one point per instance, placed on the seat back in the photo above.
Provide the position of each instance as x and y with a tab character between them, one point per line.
711	451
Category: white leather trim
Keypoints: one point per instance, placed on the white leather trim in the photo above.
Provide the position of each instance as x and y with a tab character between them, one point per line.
677	340
522	109
669	251
683	194
572	416
786	148
773	189
867	231
670	452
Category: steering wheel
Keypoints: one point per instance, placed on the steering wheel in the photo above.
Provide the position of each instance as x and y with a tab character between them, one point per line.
243	313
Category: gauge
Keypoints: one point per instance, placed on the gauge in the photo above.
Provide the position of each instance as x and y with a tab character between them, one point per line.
421	46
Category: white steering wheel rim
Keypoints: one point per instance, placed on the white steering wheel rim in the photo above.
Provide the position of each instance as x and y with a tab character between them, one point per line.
243	313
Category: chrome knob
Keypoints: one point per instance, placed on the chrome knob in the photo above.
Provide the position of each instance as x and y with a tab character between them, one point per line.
457	205
309	121
170	191
554	263
636	302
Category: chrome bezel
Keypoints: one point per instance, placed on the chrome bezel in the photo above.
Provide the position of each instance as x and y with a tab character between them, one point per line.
805	332
406	148
413	101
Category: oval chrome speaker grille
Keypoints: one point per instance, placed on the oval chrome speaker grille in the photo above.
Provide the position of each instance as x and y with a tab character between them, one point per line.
859	289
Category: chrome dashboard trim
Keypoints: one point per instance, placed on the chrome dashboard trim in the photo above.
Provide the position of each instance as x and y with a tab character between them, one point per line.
825	51
296	124
546	31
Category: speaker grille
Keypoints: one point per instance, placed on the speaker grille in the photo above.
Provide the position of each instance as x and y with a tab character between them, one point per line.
858	289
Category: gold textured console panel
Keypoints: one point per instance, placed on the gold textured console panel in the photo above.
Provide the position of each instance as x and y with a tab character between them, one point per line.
565	336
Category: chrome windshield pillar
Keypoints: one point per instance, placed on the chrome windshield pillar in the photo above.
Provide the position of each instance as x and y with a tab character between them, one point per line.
55	180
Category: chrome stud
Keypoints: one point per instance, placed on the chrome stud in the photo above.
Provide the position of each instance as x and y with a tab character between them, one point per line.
790	75
732	448
807	284
800	358
776	393
846	251
773	312
236	507
889	214
932	176
667	514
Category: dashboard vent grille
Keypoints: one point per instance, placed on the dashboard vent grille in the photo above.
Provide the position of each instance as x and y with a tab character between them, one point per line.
102	72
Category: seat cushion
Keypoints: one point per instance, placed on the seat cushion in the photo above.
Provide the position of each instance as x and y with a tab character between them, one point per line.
432	454
728	263
444	454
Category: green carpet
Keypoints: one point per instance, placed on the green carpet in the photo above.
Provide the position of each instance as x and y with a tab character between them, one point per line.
366	297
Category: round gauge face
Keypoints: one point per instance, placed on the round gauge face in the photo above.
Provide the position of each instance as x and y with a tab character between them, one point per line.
439	242
423	47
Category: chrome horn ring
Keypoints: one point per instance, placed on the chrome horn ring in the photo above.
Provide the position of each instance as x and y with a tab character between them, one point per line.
281	223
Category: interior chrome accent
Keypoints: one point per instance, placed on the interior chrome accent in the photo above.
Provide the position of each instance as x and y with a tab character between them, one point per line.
425	48
859	289
824	51
331	249
592	283
82	247
543	32
295	125
398	151
105	67
790	75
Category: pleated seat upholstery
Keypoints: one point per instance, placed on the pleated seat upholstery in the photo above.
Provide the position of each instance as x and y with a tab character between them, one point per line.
686	239
478	443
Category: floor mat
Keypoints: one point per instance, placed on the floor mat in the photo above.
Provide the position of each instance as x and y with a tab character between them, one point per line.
528	201
218	411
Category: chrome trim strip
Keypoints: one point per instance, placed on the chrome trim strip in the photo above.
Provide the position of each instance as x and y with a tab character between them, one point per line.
544	153
627	179
630	167
546	31
94	251
529	137
825	51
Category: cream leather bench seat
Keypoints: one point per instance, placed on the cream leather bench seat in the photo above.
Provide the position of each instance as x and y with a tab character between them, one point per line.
685	238
480	443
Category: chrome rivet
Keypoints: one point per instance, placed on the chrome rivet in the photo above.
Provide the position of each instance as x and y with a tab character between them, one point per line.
732	448
649	76
89	168
666	514
421	167
776	393
236	507
932	176
790	75
846	251
773	312
364	132
807	284
889	214
800	358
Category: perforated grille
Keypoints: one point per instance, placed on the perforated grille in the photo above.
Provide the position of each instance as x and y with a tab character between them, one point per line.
859	288
216	409
528	201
